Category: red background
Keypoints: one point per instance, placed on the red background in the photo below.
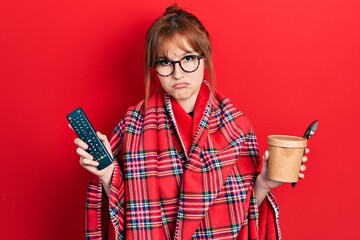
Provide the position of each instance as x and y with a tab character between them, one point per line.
283	62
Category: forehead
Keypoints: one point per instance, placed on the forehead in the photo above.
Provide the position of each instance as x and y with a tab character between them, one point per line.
174	47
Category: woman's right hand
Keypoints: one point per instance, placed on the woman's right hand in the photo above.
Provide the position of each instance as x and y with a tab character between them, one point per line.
89	163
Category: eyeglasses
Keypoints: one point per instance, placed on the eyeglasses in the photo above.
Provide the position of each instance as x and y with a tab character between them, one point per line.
189	64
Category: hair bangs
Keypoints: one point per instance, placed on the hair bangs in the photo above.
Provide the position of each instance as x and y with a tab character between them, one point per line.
180	29
181	38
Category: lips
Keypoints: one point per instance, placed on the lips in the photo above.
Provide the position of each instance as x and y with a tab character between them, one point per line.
180	85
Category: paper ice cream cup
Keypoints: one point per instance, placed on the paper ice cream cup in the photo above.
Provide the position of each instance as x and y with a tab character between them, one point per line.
285	156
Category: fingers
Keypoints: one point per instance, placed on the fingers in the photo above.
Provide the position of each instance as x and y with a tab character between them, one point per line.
101	136
88	162
70	126
304	159
266	155
80	143
86	159
90	165
303	168
83	154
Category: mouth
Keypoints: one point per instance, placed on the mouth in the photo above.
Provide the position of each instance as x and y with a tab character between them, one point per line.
180	85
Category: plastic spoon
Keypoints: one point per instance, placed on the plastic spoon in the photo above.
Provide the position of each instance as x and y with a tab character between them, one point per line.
309	132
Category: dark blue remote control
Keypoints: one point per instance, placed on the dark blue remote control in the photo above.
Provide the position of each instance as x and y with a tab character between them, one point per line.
86	132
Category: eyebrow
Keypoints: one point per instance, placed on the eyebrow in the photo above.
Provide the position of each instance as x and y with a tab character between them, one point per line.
182	56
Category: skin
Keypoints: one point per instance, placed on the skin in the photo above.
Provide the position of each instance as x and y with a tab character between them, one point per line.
87	161
184	87
263	184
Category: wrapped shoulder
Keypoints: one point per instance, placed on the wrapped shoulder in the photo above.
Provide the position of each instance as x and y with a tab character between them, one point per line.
139	107
135	113
244	123
232	114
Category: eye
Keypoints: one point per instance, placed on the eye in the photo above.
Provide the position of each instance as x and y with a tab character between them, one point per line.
164	62
188	58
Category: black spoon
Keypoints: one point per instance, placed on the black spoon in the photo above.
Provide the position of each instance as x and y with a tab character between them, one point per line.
309	132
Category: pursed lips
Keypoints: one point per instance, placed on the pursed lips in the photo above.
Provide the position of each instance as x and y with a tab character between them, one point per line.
180	85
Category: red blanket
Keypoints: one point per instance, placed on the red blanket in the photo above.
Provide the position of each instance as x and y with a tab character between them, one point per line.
181	178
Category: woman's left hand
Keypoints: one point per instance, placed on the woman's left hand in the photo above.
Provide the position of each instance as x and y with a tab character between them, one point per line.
263	179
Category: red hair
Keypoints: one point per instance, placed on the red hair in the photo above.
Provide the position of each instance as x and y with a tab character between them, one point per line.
176	25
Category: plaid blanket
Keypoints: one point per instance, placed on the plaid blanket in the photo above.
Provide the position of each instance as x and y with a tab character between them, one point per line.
168	186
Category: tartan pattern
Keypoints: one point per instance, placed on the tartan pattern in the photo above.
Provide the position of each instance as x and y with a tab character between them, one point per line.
159	191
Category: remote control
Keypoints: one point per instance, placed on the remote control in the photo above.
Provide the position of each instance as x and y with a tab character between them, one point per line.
86	132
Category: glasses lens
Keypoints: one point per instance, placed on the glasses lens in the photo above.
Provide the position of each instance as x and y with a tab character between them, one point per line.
189	63
164	68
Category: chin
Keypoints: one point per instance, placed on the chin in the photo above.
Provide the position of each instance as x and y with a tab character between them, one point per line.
182	95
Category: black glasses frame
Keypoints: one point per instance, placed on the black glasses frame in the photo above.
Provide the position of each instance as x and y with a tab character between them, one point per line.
198	57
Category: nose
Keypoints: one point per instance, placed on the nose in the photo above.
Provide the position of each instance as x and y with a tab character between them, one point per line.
178	72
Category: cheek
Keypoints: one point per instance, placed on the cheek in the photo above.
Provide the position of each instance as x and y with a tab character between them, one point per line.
200	74
162	82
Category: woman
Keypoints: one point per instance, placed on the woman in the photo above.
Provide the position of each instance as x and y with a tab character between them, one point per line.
186	163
